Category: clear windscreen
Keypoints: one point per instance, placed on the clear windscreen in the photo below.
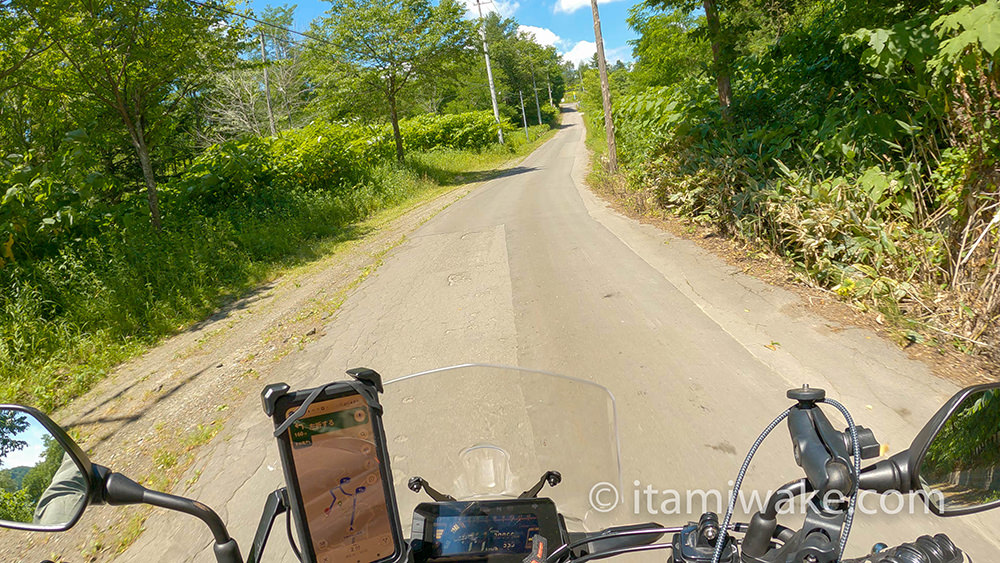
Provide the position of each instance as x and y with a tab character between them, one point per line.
479	432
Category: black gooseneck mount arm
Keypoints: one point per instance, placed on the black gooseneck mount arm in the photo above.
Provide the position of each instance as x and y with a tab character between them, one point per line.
120	490
275	505
553	478
417	484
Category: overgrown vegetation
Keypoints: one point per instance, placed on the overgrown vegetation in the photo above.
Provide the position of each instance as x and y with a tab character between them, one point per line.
240	209
158	157
969	440
861	141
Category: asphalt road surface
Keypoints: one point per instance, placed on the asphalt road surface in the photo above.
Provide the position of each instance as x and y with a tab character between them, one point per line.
533	270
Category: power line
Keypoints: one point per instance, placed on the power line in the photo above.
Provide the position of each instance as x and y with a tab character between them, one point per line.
261	22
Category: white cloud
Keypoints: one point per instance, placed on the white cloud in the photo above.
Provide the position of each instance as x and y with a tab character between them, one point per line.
26	457
505	8
570	6
623	54
543	36
581	52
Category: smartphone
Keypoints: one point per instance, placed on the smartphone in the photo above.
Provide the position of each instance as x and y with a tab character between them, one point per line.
339	485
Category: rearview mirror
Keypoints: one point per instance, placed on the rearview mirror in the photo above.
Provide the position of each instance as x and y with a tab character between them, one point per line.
958	461
45	479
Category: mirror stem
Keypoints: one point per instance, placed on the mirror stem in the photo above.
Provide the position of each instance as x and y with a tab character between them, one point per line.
119	490
891	474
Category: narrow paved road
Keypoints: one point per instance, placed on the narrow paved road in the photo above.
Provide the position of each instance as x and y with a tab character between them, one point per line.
532	270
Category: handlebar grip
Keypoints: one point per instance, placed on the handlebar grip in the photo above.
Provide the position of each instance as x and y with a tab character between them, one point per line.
926	549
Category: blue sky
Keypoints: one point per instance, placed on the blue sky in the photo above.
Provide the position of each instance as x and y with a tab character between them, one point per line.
32	453
567	24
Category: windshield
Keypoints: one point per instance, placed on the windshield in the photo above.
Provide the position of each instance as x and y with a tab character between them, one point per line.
480	431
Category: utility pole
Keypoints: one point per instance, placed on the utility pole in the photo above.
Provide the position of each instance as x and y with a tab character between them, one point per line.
267	87
549	82
534	87
489	69
524	116
602	64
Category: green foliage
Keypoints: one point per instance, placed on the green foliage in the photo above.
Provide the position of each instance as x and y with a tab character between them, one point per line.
22	487
238	209
969	438
968	28
16	506
12	423
519	64
39	477
390	44
110	110
8	482
668	50
861	142
465	131
135	63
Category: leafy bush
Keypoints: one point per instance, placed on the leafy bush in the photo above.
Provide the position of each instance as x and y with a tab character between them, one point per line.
868	156
465	131
66	319
86	282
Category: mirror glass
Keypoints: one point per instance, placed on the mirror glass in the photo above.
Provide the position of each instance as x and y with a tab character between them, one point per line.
961	470
40	484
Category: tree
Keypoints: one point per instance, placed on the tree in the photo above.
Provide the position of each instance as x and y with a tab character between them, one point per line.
19	40
720	56
11	424
39	477
236	105
140	59
7	482
668	49
520	65
263	91
719	39
284	63
390	44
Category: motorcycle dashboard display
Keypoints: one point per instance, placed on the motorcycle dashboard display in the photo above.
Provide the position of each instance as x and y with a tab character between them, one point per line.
498	531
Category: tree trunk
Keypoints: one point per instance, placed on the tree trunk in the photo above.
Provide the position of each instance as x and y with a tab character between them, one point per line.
142	150
602	65
394	117
538	108
719	58
267	87
524	117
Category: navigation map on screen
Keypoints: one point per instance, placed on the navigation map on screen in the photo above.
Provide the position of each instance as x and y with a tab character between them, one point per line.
339	478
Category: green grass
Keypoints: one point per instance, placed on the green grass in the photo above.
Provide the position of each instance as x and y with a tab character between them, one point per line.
66	321
597	142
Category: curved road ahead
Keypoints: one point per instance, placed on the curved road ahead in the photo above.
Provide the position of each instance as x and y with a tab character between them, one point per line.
532	270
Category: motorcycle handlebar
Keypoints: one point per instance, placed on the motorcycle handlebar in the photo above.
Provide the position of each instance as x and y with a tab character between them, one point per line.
926	549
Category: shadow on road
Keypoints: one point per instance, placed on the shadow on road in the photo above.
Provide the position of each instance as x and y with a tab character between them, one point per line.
110	424
448	178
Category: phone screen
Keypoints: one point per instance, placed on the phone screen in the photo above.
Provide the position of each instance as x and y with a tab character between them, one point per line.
339	476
